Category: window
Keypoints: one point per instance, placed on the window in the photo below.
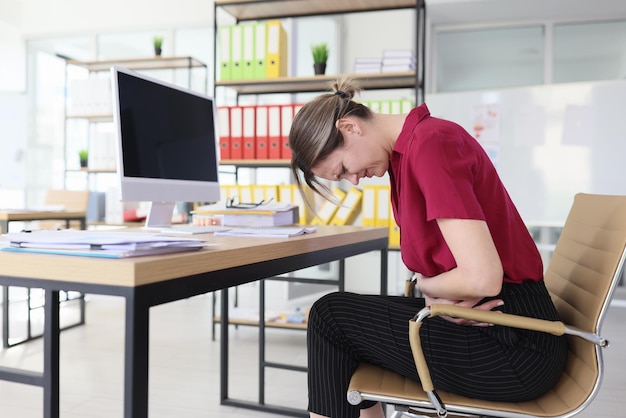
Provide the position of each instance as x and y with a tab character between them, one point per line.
589	51
489	58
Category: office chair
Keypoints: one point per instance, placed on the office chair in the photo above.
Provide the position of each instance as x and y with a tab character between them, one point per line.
72	200
581	277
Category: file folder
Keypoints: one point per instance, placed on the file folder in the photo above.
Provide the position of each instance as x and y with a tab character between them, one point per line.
223	114
396	107
225	60
385	107
394	233
406	105
286	117
236	55
236	132
276	49
290	193
368	205
349	209
249	133
382	206
274	131
259	69
247	55
328	209
261	135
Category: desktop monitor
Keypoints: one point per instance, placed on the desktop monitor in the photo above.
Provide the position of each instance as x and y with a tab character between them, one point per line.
167	144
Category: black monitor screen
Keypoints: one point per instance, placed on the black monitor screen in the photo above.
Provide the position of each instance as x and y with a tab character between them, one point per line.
166	133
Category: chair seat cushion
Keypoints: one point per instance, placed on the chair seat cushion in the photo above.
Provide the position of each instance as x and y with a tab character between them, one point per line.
565	397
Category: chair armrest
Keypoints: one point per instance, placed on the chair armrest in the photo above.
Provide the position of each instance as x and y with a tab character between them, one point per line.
498	318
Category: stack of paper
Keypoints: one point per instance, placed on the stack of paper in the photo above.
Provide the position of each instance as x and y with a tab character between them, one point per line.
97	244
268	214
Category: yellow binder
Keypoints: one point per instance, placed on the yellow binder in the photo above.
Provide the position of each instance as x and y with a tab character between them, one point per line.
291	194
368	205
394	230
382	206
328	209
349	209
276	49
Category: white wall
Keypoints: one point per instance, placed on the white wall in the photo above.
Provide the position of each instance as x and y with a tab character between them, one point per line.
61	17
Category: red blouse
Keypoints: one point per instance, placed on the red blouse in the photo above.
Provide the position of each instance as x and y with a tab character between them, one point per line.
438	170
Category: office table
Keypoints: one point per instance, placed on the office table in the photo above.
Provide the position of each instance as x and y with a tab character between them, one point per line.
25	215
17	215
153	280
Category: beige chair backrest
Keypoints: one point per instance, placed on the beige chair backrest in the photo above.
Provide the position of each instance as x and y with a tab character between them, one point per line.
71	200
74	200
587	256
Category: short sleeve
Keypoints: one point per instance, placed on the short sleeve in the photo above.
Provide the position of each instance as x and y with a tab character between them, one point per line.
446	170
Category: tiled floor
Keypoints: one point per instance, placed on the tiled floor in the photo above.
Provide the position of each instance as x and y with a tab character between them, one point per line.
184	366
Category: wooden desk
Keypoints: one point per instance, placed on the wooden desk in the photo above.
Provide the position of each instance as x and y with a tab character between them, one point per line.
149	281
19	215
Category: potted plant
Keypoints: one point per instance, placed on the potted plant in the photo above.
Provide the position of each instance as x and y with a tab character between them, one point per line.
157	41
320	56
83	157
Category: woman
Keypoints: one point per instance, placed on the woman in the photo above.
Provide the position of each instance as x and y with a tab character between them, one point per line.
459	230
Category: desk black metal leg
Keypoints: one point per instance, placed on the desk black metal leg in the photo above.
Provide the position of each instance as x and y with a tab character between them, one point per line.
51	343
224	345
136	357
5	316
384	271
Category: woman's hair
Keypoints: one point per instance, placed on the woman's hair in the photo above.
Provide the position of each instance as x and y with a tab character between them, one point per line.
314	134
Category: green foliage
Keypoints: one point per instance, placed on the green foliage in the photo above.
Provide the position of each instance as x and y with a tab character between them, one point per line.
320	53
83	154
158	42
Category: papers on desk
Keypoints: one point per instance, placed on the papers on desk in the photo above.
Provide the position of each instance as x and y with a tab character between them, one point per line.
98	244
272	232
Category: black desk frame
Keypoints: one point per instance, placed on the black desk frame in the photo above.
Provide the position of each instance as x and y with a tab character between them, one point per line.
6	343
137	318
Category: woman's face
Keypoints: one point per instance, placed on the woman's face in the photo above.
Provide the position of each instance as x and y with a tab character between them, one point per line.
359	157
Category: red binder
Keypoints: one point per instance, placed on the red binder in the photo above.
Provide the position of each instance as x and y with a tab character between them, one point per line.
274	132
223	115
236	132
286	117
261	133
249	133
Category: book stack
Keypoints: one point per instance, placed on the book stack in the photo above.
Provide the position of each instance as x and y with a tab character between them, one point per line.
398	60
367	65
267	214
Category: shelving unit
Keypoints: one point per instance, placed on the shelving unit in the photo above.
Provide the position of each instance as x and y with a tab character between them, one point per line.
254	10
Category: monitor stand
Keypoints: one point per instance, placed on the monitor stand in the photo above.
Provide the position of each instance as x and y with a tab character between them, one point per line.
160	215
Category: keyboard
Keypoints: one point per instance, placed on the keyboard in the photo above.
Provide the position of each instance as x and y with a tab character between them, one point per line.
193	229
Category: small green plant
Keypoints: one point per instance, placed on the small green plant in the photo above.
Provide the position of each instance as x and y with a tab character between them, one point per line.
158	42
83	156
320	53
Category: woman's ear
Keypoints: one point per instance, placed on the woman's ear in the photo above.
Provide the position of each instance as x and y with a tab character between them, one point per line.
347	126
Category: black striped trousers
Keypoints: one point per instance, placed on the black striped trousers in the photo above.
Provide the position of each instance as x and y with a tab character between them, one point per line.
493	363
